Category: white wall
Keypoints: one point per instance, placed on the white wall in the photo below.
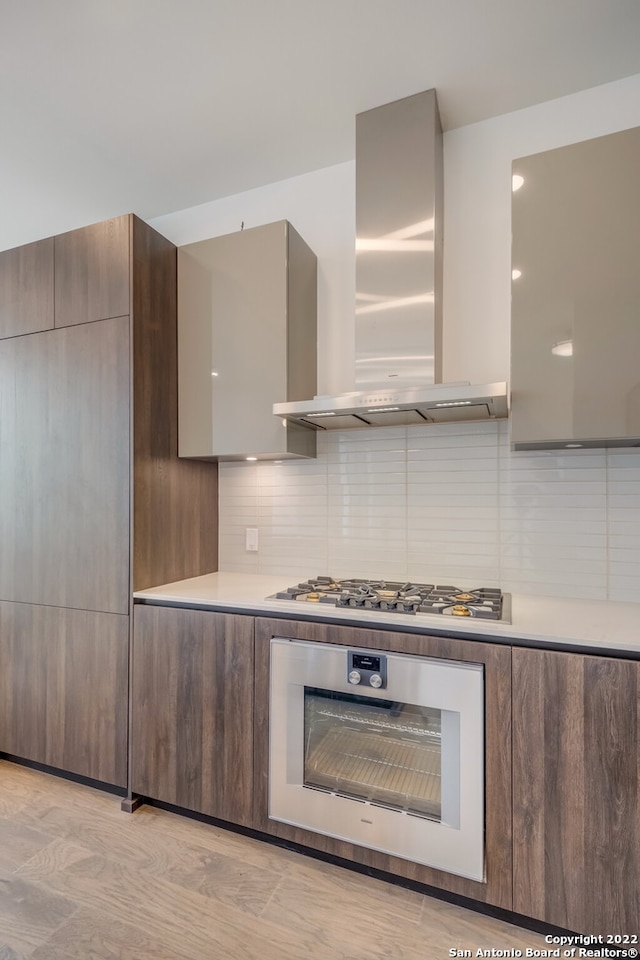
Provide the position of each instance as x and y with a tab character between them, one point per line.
444	503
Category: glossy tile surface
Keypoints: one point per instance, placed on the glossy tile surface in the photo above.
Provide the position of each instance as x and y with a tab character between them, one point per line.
445	503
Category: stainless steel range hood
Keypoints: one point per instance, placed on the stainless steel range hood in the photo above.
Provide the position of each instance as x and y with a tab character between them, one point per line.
398	313
441	403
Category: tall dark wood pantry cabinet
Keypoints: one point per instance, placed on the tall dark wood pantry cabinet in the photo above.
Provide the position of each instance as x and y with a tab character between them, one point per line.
94	502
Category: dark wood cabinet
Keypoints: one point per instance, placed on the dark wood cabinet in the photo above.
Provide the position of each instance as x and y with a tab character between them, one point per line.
63	689
497	889
64	467
576	811
26	289
174	523
94	502
92	272
562	828
192	710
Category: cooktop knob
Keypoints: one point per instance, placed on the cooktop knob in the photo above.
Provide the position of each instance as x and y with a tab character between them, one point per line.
354	676
375	680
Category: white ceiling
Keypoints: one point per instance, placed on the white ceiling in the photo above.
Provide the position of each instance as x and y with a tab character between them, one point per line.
150	106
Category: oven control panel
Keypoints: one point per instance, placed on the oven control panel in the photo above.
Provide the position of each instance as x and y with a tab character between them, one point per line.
367	669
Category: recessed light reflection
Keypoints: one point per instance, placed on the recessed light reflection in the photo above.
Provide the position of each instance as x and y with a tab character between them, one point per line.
563	348
516	182
252	458
516	274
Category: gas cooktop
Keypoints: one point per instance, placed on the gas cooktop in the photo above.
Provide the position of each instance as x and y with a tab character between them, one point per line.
394	597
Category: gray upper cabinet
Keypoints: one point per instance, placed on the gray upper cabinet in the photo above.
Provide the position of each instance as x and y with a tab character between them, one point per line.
246	340
575	309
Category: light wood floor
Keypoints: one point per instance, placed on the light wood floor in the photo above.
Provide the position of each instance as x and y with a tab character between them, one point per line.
79	880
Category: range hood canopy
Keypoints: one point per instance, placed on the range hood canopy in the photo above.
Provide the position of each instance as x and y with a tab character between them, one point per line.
398	312
440	403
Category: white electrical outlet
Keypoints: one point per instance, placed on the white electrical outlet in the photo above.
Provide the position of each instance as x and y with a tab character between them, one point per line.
251	538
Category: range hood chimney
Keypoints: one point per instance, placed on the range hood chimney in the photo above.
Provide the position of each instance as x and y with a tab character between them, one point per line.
398	313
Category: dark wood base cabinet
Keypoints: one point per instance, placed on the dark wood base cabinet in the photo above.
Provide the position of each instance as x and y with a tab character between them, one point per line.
192	712
497	661
562	756
63	689
576	817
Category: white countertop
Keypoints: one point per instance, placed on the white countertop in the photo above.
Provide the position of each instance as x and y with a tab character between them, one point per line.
608	626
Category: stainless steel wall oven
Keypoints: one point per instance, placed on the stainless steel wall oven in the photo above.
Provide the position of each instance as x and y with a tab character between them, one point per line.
380	749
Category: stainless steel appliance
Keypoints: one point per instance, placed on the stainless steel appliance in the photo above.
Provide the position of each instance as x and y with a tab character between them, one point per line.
488	603
380	749
398	309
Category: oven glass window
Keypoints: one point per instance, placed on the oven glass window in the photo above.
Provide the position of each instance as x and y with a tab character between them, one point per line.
378	750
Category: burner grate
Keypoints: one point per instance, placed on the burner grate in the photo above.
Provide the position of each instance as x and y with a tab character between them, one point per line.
396	597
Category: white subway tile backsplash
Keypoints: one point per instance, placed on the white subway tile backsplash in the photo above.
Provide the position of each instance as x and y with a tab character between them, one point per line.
355	506
448	550
368	568
552	474
533	544
350	537
624	581
441	503
352	470
451	471
455	492
623	515
537	566
366	438
554	588
451	434
624	458
622	557
460	516
459	573
544	502
439	531
567	527
367	492
553	522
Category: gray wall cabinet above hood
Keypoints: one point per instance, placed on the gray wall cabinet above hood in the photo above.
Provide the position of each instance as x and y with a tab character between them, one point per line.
398	308
246	338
